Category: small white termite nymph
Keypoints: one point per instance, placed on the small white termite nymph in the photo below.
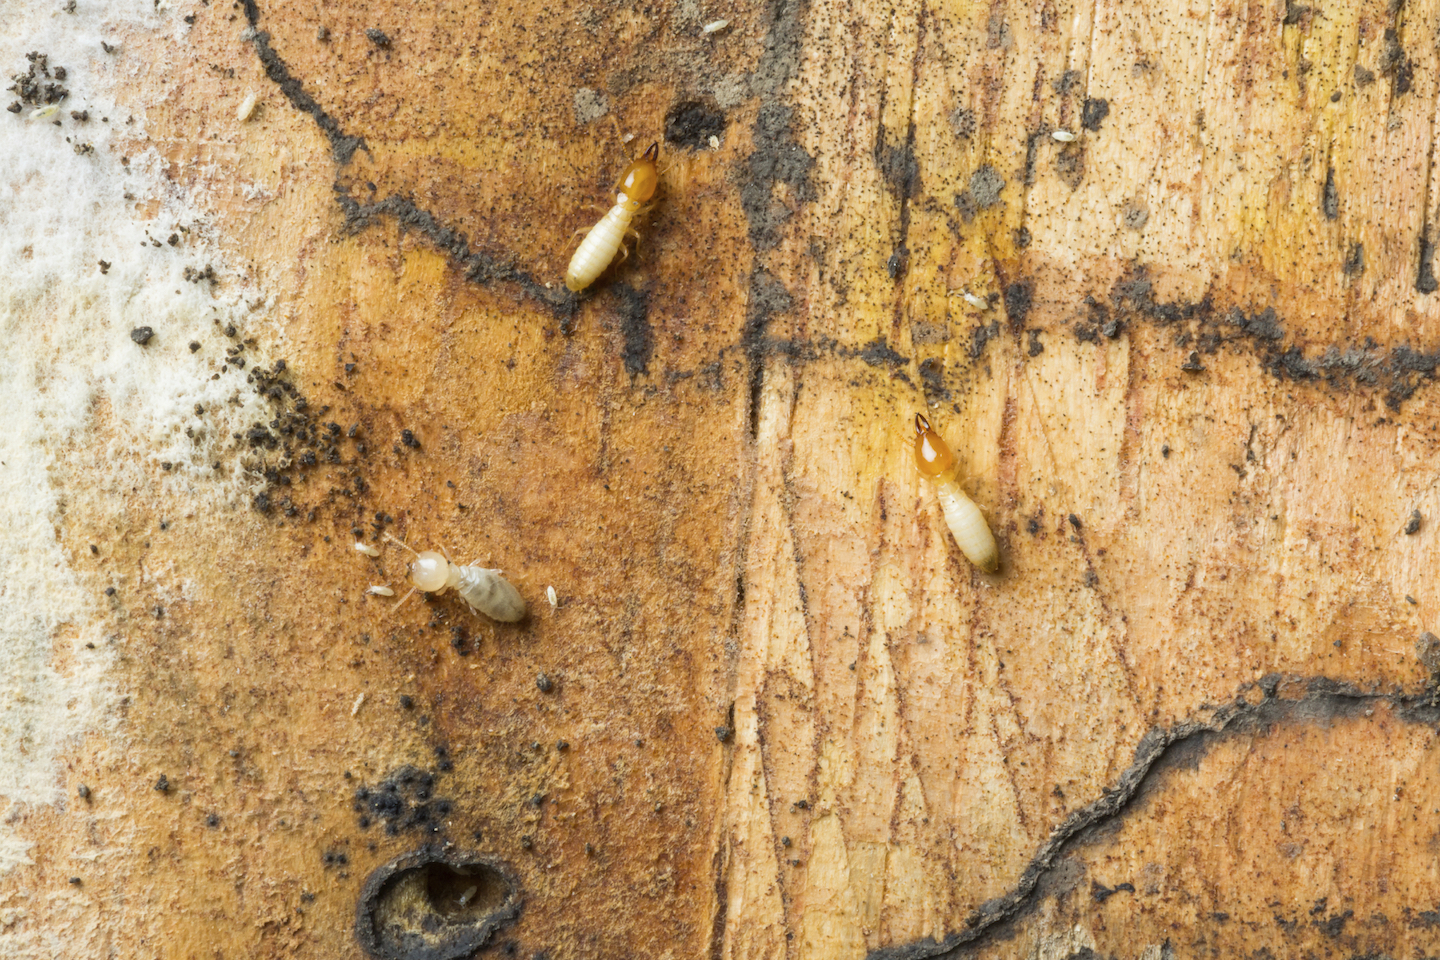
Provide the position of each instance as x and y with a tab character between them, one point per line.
979	303
966	522
714	26
485	590
366	549
247	107
380	591
637	185
1064	136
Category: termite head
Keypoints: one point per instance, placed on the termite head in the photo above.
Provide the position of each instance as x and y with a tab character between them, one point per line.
430	572
640	180
932	455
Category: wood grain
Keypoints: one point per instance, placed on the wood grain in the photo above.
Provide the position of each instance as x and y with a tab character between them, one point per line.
1199	410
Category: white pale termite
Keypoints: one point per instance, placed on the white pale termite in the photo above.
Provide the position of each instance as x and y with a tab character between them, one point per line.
45	112
979	303
714	26
1064	136
381	591
485	590
247	107
636	188
366	549
551	596
966	522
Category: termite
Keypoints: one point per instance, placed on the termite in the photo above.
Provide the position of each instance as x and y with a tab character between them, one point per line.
485	590
966	522
637	185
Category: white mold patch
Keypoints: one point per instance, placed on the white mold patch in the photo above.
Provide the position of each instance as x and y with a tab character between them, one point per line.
94	408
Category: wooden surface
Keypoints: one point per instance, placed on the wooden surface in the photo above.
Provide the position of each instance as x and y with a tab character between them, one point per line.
1185	719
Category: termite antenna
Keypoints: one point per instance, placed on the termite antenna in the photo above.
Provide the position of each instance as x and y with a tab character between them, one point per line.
403	599
403	544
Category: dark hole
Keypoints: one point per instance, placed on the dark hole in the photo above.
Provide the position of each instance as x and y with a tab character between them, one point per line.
465	893
430	905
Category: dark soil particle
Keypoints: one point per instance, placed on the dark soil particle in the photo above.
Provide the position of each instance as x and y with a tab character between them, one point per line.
404	801
142	335
1094	112
691	124
39	86
1330	196
163	784
378	37
634	312
1019	297
407	437
544	683
1412	526
1192	363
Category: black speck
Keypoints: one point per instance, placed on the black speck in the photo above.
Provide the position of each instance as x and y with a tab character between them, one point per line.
408	438
14	107
1032	526
407	702
1074	521
378	37
1036	347
544	683
262	502
1330	196
159	613
1094	112
1412	526
1165	450
173	240
1363	77
142	335
1192	364
212	821
189	18
562	745
109	591
84	792
163	784
322	33
94	549
194	346
104	266
723	734
75	881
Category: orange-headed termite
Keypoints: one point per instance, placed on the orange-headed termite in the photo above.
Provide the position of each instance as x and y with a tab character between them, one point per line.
966	522
637	185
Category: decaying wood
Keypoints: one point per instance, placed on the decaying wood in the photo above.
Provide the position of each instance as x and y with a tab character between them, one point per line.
775	712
